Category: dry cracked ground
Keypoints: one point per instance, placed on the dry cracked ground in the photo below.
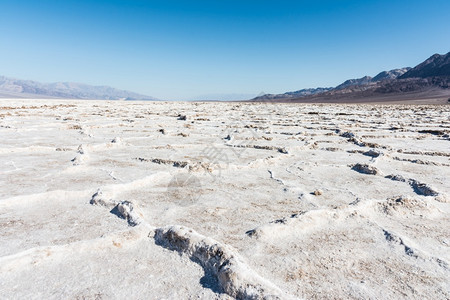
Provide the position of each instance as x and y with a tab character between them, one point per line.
155	200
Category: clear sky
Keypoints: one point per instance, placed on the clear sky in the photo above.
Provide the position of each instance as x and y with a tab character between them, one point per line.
185	49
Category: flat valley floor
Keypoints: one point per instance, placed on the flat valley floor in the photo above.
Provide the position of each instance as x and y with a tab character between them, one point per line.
172	200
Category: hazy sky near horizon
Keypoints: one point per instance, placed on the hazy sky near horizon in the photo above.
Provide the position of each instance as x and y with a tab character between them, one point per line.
185	49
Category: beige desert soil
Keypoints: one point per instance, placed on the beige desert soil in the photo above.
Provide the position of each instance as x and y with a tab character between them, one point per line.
172	200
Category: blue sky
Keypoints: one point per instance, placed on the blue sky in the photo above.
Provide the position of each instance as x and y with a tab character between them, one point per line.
185	49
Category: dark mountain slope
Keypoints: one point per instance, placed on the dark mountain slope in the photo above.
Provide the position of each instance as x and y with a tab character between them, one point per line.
436	65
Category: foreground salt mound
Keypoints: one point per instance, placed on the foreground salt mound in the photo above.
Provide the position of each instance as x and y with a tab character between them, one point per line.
422	188
235	277
102	198
127	211
365	169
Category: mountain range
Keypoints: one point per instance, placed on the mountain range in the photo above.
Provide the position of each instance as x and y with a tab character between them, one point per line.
428	80
16	88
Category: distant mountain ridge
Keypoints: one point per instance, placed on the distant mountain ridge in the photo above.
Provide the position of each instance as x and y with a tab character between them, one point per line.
17	88
392	74
358	81
432	75
436	65
299	93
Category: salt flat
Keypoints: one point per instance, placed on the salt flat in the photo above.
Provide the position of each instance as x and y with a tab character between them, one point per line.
157	200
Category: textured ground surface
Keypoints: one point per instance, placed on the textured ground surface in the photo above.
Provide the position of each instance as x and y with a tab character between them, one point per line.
289	201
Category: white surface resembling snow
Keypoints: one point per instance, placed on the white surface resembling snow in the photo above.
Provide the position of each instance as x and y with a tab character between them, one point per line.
114	200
